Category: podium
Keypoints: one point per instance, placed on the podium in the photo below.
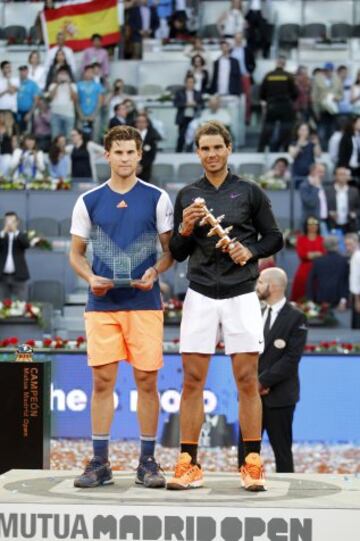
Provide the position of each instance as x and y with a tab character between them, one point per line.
25	415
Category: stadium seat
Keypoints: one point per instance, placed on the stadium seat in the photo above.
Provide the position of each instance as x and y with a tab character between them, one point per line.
131	90
44	226
289	35
64	227
33	34
189	172
174	88
314	30
341	31
356	31
15	32
253	169
163	173
49	291
209	31
150	90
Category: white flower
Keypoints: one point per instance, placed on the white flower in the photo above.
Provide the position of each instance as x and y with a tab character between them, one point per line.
35	310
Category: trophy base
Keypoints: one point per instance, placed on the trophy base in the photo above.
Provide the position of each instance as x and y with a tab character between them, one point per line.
123	282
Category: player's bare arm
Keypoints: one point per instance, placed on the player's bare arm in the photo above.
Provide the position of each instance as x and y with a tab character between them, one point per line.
163	264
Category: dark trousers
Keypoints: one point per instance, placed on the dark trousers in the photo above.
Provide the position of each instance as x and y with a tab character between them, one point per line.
182	132
10	288
355	316
276	134
326	127
278	424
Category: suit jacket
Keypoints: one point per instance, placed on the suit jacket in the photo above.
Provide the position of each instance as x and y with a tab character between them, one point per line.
279	363
310	201
149	151
114	121
235	87
20	244
345	150
180	103
328	280
354	206
134	20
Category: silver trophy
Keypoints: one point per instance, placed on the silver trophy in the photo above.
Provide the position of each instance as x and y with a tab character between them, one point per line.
122	263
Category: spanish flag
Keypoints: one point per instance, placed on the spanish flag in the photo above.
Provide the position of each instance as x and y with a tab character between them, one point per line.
80	21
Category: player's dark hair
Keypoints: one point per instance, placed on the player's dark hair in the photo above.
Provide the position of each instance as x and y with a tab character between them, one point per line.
122	133
213	128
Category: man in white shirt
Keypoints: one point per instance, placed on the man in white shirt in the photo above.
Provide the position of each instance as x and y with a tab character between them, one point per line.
285	333
246	59
213	111
8	88
343	202
13	268
60	44
226	74
313	197
353	249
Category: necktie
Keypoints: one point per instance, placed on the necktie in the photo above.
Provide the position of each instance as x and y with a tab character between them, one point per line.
267	324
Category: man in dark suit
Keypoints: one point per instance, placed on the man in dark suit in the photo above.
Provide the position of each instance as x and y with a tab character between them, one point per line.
188	102
142	21
343	203
285	332
120	116
328	280
150	139
226	74
13	268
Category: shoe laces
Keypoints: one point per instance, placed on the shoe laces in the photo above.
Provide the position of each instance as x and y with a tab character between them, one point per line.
92	465
183	468
151	465
254	470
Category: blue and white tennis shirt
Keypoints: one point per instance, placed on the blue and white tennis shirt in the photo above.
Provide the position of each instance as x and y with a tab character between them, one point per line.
123	228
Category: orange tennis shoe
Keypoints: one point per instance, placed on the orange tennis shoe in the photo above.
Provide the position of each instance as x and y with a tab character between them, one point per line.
252	473
187	475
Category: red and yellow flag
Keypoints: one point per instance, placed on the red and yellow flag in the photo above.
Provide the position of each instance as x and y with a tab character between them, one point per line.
80	21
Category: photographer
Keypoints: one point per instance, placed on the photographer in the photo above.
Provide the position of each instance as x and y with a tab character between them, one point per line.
13	268
27	162
63	96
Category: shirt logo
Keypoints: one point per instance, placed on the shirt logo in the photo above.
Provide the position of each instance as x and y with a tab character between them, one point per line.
122	205
234	195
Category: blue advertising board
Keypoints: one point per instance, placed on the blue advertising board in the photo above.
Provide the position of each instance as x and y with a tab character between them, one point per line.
329	409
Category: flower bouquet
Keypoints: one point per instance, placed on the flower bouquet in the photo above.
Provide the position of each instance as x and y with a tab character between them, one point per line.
38	241
10	309
318	315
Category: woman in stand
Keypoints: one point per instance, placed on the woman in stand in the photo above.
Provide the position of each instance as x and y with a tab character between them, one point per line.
36	70
304	152
309	246
7	135
28	162
59	161
59	63
200	73
83	155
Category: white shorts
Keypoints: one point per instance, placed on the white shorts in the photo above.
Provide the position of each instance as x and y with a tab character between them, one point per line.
237	321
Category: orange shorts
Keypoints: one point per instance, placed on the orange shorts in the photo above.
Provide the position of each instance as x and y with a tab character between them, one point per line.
135	336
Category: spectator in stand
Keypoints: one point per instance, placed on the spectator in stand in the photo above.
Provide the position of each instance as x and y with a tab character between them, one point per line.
279	171
89	101
232	20
343	203
349	148
60	45
334	141
42	124
258	32
313	197
303	101
150	138
59	160
36	70
247	65
353	250
96	53
355	95
116	96
7	134
83	155
212	112
326	94
278	93
13	268
59	63
309	246
132	112
226	74
197	48
120	117
178	29
200	73
142	21
188	102
304	151
27	99
328	280
345	105
63	97
8	88
27	162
